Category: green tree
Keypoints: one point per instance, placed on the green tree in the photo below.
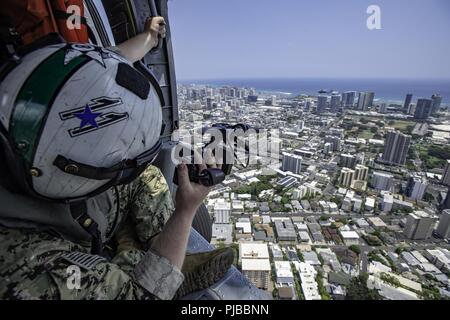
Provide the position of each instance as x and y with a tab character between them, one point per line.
399	250
356	249
390	279
298	290
220	245
428	197
374	256
439	152
275	293
372	240
300	256
337	200
430	277
358	290
430	293
322	290
364	121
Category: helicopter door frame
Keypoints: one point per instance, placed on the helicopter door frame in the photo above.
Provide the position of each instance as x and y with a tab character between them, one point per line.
98	22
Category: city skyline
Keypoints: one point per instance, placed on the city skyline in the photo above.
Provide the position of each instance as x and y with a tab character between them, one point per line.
358	205
389	91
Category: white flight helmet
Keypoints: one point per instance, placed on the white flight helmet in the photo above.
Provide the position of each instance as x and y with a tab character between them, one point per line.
76	119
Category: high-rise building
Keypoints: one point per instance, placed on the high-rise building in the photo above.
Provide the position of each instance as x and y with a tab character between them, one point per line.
411	109
368	101
253	250
327	148
383	108
348	99
257	271
360	157
419	225
347	160
361	172
361	100
417	185
321	104
388	202
193	94
423	109
239	93
436	101
346	177
365	100
382	181
335	132
334	141
446	176
443	229
291	163
307	106
396	148
252	99
446	204
335	103
255	263
209	103
407	103
273	100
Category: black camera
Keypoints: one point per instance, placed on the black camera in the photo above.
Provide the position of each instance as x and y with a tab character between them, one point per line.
212	176
208	177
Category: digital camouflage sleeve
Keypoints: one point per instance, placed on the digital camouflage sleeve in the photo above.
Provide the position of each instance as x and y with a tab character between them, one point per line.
42	266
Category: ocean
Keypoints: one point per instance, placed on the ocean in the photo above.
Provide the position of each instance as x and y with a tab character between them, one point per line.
387	90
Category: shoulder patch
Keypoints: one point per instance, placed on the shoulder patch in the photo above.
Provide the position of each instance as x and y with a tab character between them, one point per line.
83	260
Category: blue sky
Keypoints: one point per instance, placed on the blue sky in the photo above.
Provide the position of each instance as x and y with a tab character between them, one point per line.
216	39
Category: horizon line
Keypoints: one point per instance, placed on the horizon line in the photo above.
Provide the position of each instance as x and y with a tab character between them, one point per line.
311	78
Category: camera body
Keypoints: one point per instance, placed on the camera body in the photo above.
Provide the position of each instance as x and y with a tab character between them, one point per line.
208	177
212	176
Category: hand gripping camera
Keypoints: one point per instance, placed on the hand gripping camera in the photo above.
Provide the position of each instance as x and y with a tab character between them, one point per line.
212	176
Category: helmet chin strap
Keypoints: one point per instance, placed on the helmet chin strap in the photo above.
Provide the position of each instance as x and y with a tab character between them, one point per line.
79	213
119	172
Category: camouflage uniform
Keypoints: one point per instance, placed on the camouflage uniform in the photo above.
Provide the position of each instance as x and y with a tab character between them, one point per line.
34	265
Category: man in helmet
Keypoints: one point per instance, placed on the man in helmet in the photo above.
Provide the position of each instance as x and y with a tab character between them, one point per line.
79	129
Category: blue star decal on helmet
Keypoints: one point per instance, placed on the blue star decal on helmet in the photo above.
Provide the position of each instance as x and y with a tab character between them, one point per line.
94	115
88	117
